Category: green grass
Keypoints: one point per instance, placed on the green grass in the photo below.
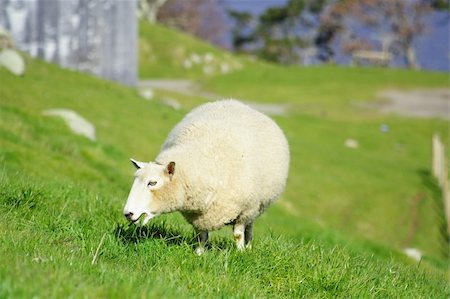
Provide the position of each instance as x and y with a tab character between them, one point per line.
336	232
48	229
163	53
330	86
331	185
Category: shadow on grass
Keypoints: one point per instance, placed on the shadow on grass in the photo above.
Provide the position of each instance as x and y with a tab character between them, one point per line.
172	236
135	234
438	205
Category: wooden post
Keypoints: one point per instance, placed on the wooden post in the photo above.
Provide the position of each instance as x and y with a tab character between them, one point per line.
436	157
440	171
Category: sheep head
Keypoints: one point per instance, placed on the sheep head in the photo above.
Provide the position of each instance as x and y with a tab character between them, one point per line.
152	183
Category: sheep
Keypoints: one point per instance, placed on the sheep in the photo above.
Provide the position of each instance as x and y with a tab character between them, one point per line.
223	164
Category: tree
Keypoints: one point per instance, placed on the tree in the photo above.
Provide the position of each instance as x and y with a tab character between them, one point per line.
439	4
241	32
329	26
403	20
202	18
148	9
281	34
276	31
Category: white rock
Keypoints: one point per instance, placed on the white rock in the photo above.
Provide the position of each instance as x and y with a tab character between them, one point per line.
74	121
196	58
384	128
224	68
200	250
172	103
147	93
413	253
187	64
11	60
208	57
351	143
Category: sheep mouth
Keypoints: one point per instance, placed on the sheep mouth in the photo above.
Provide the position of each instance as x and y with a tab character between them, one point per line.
135	221
142	220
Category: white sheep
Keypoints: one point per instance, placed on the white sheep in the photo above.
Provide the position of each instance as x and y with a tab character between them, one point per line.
224	163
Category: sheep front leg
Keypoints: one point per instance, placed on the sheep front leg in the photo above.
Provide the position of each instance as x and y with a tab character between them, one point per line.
248	235
238	233
202	239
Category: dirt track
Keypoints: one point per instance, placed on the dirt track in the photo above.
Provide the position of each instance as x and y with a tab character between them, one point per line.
421	103
187	87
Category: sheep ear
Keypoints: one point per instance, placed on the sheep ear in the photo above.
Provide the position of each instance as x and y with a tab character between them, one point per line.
138	164
170	169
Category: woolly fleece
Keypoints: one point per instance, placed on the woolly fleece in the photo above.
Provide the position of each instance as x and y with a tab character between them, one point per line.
231	161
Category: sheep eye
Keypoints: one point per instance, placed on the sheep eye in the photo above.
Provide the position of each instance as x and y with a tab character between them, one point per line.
151	183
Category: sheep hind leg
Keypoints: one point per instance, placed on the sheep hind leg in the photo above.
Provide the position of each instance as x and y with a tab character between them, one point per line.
202	239
248	235
238	233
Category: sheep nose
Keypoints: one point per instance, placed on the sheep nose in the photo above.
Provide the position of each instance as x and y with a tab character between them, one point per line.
128	215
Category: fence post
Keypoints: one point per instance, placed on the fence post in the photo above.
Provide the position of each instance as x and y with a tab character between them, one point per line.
440	172
436	157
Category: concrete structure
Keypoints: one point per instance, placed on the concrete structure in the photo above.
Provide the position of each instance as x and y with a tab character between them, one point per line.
95	36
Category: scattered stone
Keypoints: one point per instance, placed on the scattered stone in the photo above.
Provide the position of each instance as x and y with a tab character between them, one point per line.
187	64
224	68
172	103
384	128
12	61
351	143
195	58
413	253
74	121
208	57
146	93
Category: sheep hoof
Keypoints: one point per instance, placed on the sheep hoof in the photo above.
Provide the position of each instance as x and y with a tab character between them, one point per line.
240	248
200	250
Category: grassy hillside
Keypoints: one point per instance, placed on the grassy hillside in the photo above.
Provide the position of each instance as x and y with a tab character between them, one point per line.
330	90
337	231
383	190
165	53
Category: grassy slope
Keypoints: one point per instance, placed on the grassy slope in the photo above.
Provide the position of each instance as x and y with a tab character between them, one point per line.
382	191
326	85
163	52
371	191
61	194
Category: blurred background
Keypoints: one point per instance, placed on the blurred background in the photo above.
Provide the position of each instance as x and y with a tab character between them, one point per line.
360	88
101	36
